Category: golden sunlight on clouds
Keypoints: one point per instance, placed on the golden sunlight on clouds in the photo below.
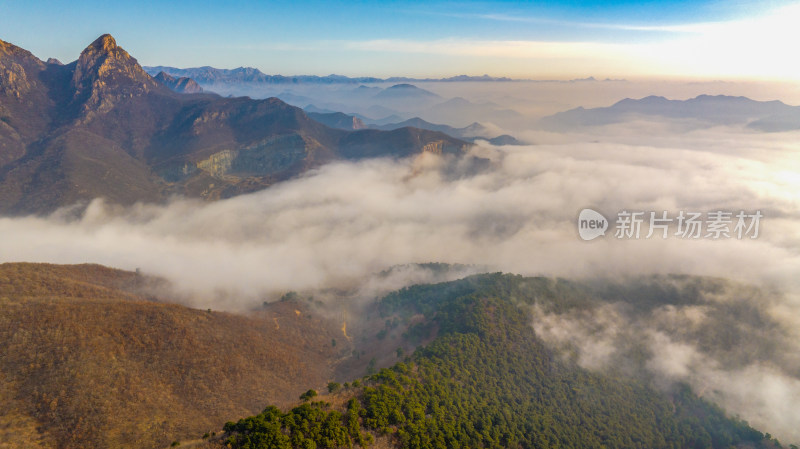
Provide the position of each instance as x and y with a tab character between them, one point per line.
761	47
755	48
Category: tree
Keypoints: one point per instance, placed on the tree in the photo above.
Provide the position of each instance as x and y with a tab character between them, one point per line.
308	395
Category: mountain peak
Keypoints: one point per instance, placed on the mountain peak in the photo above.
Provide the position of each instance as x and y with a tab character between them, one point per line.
405	90
104	47
105	69
163	77
105	42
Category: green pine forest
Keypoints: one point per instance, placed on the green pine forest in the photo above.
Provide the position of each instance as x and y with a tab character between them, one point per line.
487	381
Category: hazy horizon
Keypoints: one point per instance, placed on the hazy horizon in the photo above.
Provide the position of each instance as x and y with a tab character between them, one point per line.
554	40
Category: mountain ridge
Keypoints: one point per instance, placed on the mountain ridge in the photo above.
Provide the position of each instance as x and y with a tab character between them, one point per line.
711	110
183	85
485	379
211	75
101	126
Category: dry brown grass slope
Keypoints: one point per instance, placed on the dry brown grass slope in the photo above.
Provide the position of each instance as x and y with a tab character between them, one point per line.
87	360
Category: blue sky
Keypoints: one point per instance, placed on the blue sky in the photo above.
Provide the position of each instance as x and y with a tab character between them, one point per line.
415	38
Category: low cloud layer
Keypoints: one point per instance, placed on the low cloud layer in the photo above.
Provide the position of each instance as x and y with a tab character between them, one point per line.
347	220
340	224
734	345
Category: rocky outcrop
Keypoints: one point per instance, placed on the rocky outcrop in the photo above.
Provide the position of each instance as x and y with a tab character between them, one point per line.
14	80
105	72
218	164
433	147
262	158
15	65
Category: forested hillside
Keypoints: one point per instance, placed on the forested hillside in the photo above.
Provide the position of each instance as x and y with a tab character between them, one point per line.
488	381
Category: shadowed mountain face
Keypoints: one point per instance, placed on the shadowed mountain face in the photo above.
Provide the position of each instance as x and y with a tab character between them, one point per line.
708	110
102	127
470	133
338	120
472	130
181	85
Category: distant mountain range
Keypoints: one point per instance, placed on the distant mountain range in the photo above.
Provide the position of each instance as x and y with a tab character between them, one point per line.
372	104
769	116
103	127
473	130
456	109
211	75
368	121
469	133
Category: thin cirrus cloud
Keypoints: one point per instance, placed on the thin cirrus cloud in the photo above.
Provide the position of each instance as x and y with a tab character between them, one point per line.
745	48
